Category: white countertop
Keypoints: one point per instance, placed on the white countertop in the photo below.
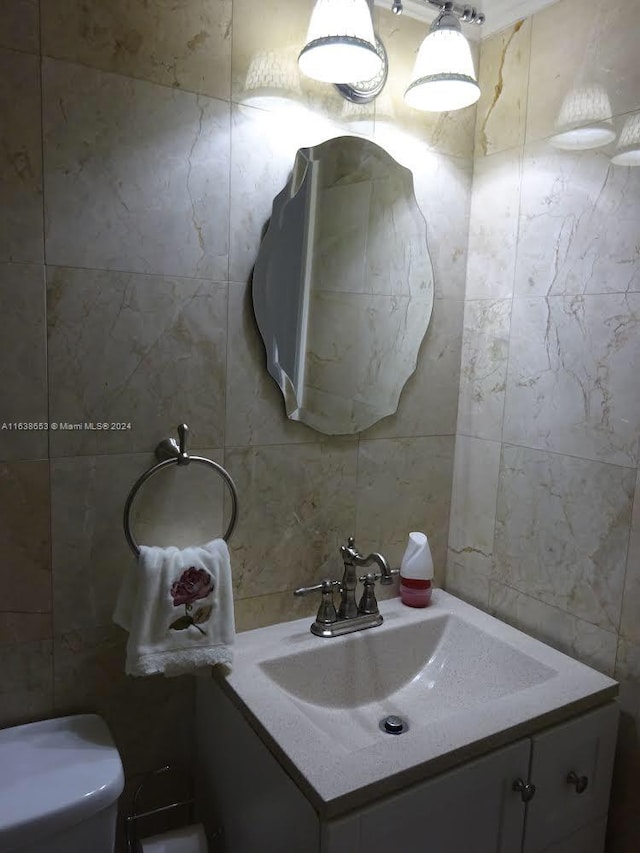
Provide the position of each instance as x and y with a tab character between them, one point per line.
337	773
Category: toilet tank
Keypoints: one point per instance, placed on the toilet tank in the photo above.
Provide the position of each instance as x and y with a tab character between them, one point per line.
59	786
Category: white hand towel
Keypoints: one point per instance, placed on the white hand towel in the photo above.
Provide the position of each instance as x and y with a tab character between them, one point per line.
177	606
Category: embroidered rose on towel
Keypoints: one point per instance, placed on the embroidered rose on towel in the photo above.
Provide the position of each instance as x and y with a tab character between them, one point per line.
192	585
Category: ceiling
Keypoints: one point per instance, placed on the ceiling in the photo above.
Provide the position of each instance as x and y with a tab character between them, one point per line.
499	13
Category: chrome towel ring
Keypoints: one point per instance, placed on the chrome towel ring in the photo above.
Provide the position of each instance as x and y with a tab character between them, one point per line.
169	452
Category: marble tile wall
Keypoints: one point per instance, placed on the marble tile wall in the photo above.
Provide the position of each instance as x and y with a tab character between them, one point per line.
140	159
546	499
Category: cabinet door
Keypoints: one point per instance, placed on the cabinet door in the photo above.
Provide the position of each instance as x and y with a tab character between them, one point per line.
589	839
584	746
471	807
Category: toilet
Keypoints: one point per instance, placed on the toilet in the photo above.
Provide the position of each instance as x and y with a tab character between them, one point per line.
59	786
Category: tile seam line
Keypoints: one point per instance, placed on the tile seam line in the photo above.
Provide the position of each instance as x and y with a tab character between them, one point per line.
52	695
126	76
629	467
611	631
634	503
75	267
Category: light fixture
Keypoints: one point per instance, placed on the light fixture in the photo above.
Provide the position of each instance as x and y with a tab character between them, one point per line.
584	120
340	44
628	147
365	91
444	78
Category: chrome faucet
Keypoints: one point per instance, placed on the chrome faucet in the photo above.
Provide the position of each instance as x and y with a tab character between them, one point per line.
350	616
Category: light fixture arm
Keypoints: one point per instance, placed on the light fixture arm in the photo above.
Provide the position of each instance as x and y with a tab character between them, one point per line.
467	14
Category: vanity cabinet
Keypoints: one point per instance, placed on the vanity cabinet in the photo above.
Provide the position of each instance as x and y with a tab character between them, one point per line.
561	809
476	803
472	807
469	808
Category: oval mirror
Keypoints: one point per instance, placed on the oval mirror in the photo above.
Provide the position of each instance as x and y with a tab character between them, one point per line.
343	285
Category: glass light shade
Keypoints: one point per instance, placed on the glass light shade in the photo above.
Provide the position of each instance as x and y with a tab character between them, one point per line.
340	44
628	147
443	78
584	121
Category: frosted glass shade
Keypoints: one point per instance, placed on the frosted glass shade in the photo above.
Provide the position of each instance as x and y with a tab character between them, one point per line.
443	78
584	121
340	44
628	147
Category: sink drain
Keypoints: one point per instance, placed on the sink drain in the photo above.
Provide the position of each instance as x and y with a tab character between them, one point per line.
393	725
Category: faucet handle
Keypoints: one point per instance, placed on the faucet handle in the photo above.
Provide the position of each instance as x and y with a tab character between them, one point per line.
325	585
327	613
368	603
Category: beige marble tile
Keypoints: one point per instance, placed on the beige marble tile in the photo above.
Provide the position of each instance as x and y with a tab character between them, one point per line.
185	45
562	526
136	174
571	374
26	692
483	369
446	208
144	350
628	661
630	622
448	133
404	484
255	411
442	185
629	700
182	505
261	610
23	364
89	551
392	590
298	507
25	570
575	637
24	627
148	717
19	25
503	79
579	221
579	43
473	505
468	581
493	226
266	46
21	165
429	402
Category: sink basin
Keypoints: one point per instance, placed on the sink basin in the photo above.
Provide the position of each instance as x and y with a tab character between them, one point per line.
462	681
421	671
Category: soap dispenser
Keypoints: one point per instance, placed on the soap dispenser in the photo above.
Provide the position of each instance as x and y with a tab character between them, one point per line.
416	572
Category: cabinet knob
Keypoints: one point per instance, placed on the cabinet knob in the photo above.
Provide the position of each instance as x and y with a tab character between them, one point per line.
526	790
581	782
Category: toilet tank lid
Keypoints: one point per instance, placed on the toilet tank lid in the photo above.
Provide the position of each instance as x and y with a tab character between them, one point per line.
54	774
